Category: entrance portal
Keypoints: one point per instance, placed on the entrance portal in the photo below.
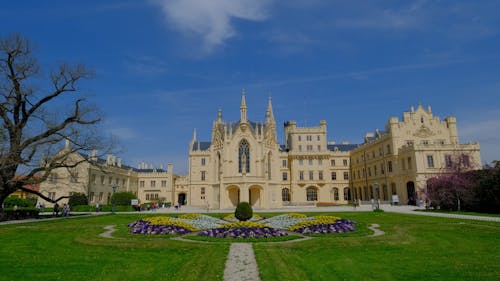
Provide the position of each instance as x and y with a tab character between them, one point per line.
410	188
181	198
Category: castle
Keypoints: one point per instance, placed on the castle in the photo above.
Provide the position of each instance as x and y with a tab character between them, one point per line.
244	162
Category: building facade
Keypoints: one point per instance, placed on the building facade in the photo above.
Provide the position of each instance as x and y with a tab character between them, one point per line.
243	161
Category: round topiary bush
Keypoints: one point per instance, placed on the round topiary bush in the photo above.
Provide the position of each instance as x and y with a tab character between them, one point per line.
243	211
78	199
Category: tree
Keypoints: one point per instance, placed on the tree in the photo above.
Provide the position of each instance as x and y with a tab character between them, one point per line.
78	199
243	211
455	186
42	125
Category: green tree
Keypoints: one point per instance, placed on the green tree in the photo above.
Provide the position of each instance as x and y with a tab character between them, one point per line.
123	198
78	199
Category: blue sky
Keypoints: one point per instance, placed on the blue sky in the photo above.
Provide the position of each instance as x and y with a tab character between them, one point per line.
164	67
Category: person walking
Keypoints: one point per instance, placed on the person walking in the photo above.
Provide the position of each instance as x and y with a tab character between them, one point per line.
56	209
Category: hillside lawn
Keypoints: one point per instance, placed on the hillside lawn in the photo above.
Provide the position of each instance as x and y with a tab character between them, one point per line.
413	248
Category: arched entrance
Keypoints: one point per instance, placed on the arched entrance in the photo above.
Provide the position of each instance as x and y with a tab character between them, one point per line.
234	195
254	196
181	198
410	188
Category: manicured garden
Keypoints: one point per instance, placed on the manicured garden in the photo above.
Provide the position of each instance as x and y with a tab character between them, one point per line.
413	248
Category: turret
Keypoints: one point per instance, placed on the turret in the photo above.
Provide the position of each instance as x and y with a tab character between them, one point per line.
243	108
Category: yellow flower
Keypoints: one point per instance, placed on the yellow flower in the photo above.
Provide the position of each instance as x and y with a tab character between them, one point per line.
318	220
189	216
171	222
297	215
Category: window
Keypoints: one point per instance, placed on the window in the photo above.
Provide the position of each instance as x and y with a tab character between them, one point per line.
309	148
320	175
309	138
73	177
91	198
310	162
447	160
110	180
388	149
389	166
203	175
382	169
117	180
102	179
319	147
359	176
52	195
153	184
301	162
285	176
334	176
335	194
345	162
203	161
375	170
347	194
380	151
311	175
320	162
284	164
403	164
94	178
202	193
244	157
369	171
100	196
364	172
300	138
312	194
285	195
141	183
346	175
465	161
393	188
318	138
53	178
300	147
332	162
123	182
430	161
301	175
163	183
409	163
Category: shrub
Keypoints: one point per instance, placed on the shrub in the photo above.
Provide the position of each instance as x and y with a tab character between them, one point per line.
122	198
16	201
78	199
243	211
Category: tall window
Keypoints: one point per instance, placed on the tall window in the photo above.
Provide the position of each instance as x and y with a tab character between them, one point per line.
285	194
141	184
163	183
202	193
312	194
448	162
430	161
465	161
346	175
332	162
301	175
153	184
389	166
320	175
409	163
203	161
334	176
203	175
311	175
335	194
244	157
284	164
345	162
310	162
285	176
347	193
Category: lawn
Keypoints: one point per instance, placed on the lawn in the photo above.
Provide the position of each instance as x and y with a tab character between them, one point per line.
413	248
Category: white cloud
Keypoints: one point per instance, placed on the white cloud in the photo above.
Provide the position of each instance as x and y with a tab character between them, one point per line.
485	131
211	19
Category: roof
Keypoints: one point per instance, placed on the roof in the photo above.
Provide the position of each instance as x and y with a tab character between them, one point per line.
202	145
150	170
342	147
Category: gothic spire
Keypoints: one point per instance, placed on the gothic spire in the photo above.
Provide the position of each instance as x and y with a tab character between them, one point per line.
269	112
243	107
219	115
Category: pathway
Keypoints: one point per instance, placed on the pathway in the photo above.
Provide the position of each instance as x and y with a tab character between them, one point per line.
241	264
109	231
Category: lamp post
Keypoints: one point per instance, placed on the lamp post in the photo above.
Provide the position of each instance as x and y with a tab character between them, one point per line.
114	187
376	185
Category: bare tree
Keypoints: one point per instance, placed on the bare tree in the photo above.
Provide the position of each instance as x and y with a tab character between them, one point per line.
42	124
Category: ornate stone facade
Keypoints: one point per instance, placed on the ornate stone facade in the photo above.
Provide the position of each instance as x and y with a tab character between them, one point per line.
244	162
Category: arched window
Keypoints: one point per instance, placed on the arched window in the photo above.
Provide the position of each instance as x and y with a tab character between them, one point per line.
244	157
312	194
285	194
347	193
335	194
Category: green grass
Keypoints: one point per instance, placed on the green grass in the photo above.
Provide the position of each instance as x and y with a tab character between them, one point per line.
461	213
413	248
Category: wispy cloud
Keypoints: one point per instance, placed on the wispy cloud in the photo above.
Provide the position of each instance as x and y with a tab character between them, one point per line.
211	20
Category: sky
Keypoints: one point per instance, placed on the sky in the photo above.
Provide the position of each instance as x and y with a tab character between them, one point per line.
164	67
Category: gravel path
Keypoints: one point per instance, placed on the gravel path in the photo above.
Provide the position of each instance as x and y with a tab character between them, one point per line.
377	232
109	230
241	264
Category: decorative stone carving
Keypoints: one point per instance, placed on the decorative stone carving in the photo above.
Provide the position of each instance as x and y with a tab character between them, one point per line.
423	132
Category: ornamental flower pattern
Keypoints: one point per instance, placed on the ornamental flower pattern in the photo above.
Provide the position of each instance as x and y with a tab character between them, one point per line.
257	228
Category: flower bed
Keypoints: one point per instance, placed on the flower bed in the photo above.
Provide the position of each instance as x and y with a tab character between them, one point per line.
276	226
